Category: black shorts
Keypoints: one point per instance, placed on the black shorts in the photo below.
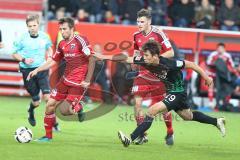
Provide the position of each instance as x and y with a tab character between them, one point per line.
176	101
36	83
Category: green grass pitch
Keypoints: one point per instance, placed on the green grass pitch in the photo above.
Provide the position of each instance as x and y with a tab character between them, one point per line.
97	139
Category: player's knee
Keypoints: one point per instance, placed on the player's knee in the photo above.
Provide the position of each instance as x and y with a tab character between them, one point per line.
50	110
36	103
46	97
51	106
138	102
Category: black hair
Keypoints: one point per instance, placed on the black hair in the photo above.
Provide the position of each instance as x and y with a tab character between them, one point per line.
152	46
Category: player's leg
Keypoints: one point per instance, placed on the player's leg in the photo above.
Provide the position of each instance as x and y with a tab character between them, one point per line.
189	115
43	83
74	98
33	89
56	97
152	112
158	95
140	89
49	120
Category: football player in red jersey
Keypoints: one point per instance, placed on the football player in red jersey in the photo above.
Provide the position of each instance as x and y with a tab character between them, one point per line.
75	49
146	83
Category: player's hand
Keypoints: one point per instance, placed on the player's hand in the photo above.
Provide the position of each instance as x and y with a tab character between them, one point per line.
28	61
85	84
209	82
31	74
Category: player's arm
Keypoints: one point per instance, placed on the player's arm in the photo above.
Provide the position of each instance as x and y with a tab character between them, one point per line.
168	54
17	47
49	63
49	52
166	45
196	68
18	57
91	67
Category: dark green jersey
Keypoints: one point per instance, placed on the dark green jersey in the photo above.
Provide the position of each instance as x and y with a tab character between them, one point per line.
168	71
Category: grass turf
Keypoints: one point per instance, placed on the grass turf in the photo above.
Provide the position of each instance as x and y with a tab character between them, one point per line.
97	139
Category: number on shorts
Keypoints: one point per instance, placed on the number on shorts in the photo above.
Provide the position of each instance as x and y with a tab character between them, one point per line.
171	97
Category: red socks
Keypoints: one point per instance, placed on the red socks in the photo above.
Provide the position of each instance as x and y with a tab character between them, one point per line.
49	121
168	121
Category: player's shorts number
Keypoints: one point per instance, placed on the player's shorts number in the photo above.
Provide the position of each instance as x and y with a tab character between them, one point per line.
171	97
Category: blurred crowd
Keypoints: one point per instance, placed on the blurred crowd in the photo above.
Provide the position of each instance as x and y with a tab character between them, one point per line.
207	14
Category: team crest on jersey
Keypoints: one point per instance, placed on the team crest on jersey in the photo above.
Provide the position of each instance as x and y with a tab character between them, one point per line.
72	46
139	41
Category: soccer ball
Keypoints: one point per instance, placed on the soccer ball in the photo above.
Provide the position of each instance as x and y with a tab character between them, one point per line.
23	135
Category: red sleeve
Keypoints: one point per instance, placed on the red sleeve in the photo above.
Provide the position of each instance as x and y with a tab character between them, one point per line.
58	55
164	41
84	45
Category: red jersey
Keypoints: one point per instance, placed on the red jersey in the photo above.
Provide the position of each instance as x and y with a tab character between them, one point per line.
227	59
76	54
155	34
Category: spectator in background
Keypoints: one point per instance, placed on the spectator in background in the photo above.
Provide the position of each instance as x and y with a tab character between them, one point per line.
131	7
81	16
204	15
54	5
96	13
100	75
229	16
182	13
114	7
109	17
60	13
159	11
81	4
222	68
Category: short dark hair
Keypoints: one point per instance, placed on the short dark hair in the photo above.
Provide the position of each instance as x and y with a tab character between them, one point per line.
221	44
32	17
67	20
144	13
152	46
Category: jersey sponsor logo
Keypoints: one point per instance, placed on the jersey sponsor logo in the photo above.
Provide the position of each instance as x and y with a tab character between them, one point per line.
179	63
139	41
69	55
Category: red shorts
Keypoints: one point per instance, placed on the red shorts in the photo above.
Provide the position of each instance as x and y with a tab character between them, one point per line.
147	88
65	92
